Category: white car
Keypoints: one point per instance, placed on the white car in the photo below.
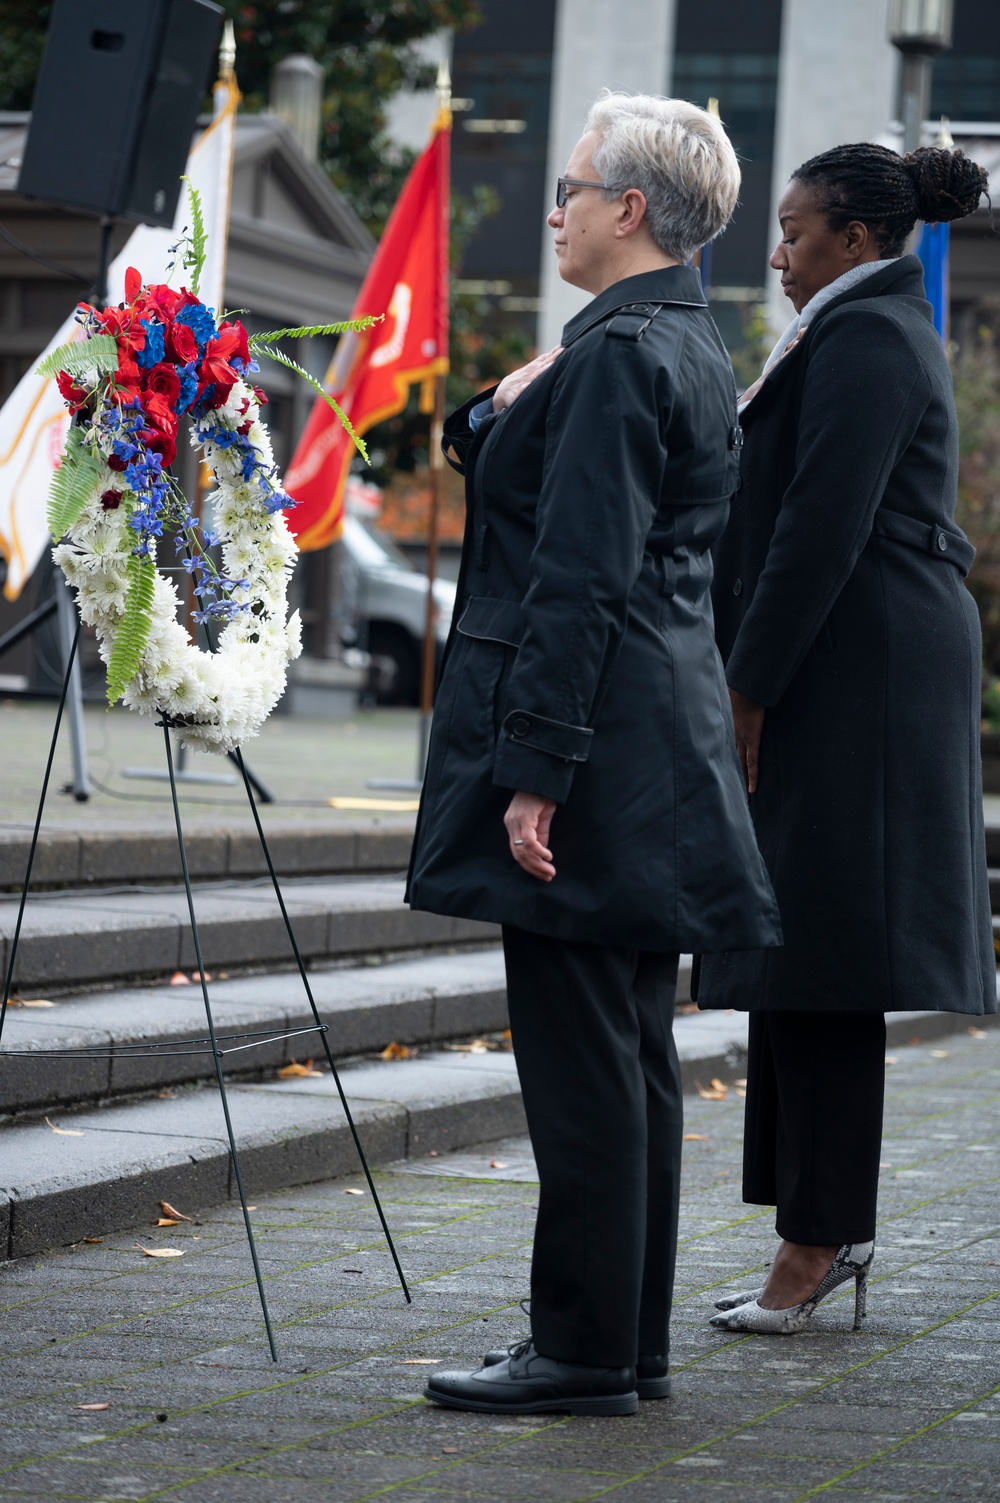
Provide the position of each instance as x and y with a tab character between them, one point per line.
384	609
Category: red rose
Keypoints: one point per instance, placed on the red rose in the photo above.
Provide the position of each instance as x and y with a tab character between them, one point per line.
164	381
128	376
181	343
261	396
111	500
116	463
161	443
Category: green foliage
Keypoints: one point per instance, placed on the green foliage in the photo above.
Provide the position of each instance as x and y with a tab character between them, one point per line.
98	353
757	342
976	370
193	259
349	326
293	365
72	484
133	630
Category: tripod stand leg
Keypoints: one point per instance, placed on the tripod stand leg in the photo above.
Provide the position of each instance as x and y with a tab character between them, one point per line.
216	1051
238	759
38	823
69	628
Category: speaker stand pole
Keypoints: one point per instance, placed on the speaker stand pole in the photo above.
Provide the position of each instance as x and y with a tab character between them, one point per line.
69	631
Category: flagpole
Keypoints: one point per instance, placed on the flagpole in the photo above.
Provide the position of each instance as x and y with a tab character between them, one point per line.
436	458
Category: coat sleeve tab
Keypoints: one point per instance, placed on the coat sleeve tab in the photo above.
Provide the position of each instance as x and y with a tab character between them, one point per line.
948	544
571	743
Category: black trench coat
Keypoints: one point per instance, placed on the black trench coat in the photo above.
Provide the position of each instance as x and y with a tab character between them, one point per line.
581	664
840	605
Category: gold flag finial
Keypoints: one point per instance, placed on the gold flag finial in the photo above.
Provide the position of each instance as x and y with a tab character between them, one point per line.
227	52
443	89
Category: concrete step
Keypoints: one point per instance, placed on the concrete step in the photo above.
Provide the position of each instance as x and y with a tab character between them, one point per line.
106	1169
122	854
414	1001
72	937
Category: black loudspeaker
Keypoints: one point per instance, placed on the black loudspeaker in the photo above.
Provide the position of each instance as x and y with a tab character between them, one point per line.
115	106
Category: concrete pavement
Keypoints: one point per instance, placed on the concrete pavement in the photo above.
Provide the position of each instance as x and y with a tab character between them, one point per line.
907	1409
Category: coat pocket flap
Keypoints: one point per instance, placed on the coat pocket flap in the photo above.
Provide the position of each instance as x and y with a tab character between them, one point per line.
493	620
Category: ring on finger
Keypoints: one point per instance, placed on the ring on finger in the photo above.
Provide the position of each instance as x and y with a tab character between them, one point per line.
518	842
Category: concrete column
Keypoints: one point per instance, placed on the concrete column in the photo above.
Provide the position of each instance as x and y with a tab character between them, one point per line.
836	83
626	45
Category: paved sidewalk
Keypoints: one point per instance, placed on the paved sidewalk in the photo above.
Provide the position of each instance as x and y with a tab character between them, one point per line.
908	1409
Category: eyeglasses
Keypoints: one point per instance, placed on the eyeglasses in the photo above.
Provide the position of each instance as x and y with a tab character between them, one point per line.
576	182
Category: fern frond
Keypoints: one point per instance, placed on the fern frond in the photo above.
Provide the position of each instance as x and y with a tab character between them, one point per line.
194	256
293	365
72	484
307	331
133	629
99	353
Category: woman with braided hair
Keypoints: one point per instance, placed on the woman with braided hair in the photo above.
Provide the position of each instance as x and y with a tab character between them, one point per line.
853	658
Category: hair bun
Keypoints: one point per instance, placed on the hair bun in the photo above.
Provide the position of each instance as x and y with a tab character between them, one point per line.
948	185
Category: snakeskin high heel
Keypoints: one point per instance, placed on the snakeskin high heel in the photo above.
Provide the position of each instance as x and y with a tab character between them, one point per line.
854	1261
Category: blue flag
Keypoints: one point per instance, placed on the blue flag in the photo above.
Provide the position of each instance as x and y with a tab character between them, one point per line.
933	252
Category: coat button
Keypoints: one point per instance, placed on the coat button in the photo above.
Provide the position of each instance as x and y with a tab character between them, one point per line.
737	587
519	728
942	541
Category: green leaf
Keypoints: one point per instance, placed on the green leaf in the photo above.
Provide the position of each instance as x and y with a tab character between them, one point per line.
72	484
307	331
194	256
293	365
100	353
133	630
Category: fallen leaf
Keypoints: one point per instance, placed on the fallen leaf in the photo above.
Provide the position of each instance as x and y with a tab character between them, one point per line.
159	1252
433	1154
419	1362
354	1192
741	1083
449	1450
885	1166
940	1054
169	1210
93	1239
196	975
166	1221
35	1002
713	1095
395	1051
496	1164
294	1071
892	1059
719	1085
251	1208
178	979
916	1039
168	1095
978	1033
92	1406
695	1137
686	1009
64	1132
739	1092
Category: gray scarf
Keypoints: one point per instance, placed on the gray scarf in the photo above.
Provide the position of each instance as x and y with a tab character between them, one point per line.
819	300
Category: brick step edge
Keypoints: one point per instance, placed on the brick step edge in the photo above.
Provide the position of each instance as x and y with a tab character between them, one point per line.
98	858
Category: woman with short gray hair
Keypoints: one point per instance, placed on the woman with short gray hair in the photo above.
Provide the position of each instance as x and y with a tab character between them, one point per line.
582	788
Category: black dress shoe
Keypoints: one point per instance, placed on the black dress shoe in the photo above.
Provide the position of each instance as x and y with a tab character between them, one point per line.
651	1373
525	1382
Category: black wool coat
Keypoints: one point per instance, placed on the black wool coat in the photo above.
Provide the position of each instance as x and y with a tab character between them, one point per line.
840	605
581	664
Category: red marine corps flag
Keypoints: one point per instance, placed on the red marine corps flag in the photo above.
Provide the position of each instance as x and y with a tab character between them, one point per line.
372	372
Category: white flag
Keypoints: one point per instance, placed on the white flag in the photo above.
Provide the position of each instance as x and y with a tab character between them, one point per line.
34	419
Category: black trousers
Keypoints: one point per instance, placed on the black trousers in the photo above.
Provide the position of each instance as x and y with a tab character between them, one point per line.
813	1134
592	1028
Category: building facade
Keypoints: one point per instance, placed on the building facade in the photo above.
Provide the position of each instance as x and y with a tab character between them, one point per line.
791	77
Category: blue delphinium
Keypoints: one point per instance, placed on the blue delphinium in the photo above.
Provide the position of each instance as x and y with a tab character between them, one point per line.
200	320
153	350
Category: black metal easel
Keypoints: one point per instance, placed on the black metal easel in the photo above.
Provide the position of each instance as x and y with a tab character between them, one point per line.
213	1043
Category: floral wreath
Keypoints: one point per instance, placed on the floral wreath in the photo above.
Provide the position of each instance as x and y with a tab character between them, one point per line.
141	368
